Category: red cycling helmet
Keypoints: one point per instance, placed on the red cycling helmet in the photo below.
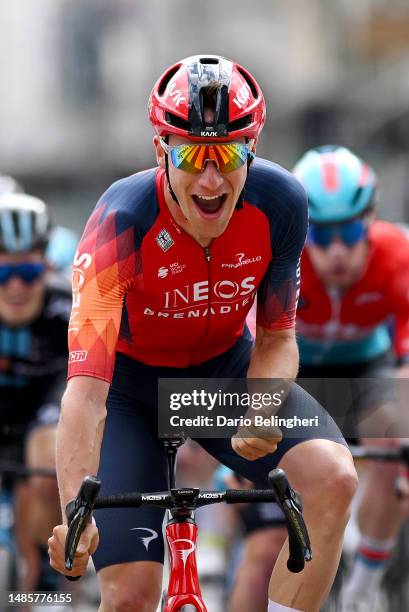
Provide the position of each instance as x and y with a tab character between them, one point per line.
176	101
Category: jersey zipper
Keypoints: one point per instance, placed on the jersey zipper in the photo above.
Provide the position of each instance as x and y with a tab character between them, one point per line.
208	258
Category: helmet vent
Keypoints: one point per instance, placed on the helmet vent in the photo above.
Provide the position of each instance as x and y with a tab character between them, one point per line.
239	124
177	122
249	82
209	60
356	196
164	82
370	201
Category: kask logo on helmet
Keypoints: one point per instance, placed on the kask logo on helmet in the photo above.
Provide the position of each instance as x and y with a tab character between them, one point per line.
242	96
176	94
208	134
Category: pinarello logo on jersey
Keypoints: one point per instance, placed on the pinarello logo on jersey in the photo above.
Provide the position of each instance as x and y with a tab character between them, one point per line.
241	260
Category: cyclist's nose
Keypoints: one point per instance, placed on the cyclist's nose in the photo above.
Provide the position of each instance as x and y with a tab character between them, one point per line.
337	248
210	178
15	282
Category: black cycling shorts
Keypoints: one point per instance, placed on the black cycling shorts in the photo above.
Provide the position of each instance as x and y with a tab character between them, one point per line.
133	459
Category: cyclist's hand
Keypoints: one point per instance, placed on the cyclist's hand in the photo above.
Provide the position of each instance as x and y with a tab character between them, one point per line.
87	546
253	443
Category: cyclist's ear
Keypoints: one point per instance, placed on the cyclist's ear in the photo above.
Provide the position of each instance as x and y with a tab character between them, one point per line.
160	153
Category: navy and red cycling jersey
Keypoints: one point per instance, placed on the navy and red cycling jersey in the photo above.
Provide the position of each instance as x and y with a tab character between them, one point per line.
144	287
353	326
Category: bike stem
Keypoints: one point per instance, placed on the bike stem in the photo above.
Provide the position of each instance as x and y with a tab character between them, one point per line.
171	445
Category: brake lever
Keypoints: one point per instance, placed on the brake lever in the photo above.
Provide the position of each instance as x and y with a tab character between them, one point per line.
78	512
290	503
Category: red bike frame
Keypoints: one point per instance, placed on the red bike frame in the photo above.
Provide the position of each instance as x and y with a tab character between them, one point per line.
184	585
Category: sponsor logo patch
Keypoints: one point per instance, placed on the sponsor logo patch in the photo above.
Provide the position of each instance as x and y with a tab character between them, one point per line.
163	272
164	240
76	356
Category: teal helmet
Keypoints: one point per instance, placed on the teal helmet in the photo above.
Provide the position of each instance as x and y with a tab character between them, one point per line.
340	186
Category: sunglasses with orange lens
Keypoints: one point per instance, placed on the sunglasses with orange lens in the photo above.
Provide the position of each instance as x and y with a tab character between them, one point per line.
192	157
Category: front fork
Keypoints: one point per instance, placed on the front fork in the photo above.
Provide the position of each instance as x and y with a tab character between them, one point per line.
184	586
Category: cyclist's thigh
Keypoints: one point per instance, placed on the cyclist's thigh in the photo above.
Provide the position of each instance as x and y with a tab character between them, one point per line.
132	459
298	404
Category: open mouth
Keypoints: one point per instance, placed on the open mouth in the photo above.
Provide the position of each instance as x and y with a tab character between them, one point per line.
338	271
209	205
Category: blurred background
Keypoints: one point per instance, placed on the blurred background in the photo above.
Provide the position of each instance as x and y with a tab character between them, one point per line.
77	76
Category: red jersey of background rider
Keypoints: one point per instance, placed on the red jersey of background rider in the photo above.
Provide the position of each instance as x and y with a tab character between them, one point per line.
144	287
381	292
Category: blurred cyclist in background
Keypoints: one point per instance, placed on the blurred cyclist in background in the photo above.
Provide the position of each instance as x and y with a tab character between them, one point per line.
62	242
354	281
33	354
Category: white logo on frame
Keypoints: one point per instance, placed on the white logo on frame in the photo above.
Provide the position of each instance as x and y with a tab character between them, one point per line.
185	552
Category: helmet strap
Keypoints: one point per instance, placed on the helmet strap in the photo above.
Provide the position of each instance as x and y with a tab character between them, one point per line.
242	195
172	193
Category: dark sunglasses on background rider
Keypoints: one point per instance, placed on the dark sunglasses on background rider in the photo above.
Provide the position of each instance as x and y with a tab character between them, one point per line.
349	233
28	272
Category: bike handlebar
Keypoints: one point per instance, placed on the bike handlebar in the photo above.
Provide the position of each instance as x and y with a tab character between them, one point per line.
19	470
382	454
187	499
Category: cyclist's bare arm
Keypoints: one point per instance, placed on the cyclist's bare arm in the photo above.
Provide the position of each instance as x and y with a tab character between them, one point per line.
79	433
275	356
79	438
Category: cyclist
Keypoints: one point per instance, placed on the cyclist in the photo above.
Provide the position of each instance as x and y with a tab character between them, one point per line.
188	229
33	325
355	278
358	273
